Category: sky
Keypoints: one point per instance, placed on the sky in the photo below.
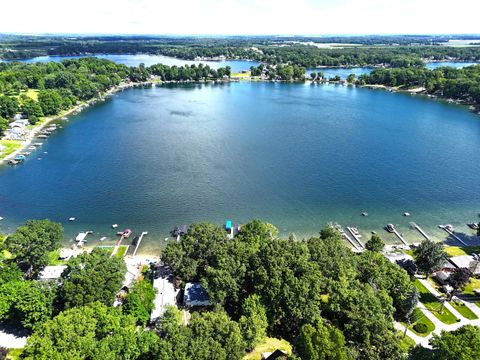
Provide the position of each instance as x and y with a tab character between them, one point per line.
237	17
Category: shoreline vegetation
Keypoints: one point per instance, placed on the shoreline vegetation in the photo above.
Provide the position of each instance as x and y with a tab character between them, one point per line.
61	89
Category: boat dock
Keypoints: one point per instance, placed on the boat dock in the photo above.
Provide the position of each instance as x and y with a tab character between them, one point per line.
356	236
390	228
80	239
139	241
447	228
345	235
415	226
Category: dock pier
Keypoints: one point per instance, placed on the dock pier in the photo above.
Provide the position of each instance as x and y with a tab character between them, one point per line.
402	239
345	235
356	237
117	245
415	226
450	232
139	241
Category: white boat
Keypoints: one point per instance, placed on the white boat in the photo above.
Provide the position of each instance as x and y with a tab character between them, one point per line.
71	219
103	238
1	218
114	226
406	214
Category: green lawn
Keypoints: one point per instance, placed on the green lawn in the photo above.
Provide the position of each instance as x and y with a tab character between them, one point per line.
464	310
10	146
122	250
270	344
407	343
54	258
434	305
458	250
419	317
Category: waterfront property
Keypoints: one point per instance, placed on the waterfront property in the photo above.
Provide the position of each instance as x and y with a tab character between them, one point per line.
210	151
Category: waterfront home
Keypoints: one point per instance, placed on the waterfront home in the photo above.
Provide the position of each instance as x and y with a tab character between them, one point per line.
277	354
52	272
166	295
195	295
467	262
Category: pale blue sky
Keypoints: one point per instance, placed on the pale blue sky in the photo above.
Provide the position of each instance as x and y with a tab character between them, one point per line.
241	16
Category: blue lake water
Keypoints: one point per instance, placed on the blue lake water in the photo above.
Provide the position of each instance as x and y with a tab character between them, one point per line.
297	155
148	60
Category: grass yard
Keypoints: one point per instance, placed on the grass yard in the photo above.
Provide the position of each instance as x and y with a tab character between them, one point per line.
407	343
464	310
10	147
458	250
241	75
434	305
269	345
420	318
122	250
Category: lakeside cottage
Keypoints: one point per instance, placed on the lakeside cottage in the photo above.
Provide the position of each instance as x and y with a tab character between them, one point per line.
195	295
52	272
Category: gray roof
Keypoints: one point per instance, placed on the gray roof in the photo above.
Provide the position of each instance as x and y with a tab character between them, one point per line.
195	295
462	261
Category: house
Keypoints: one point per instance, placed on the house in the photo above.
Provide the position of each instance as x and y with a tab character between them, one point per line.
195	295
466	261
52	272
442	276
166	296
277	354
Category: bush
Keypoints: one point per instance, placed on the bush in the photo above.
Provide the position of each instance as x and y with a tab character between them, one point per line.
3	353
420	328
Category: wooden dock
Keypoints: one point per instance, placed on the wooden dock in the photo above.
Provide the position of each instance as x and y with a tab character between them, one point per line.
139	241
452	234
356	237
350	240
415	226
402	239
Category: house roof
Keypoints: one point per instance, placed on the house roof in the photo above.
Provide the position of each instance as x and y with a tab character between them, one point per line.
195	294
52	272
462	261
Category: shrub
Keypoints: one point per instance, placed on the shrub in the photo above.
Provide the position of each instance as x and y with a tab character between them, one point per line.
421	328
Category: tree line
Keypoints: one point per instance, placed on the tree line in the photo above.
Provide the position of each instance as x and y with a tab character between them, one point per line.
460	84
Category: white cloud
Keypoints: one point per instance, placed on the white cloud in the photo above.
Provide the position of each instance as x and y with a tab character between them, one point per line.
240	17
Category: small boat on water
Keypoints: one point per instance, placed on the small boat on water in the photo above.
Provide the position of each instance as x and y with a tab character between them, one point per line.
37	144
1	218
103	238
32	148
125	233
355	231
390	228
473	226
64	118
114	226
406	214
42	136
71	219
364	214
27	153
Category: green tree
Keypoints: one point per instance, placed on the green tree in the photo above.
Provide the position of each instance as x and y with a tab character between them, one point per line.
91	332
429	256
3	125
375	243
459	278
139	301
253	321
460	344
321	342
8	106
34	304
91	277
351	78
50	101
31	243
31	108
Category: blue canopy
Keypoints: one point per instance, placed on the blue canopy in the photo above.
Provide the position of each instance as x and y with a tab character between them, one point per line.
228	224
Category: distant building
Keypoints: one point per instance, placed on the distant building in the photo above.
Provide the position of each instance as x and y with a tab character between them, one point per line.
52	272
277	354
195	295
166	296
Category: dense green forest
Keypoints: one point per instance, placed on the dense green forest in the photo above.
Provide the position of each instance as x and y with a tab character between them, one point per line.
394	51
460	84
327	301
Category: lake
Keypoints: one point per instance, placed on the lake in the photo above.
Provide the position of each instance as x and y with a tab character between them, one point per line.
148	60
297	155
